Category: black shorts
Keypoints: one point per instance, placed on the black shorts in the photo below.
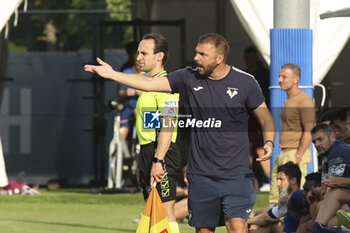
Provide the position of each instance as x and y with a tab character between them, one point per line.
172	163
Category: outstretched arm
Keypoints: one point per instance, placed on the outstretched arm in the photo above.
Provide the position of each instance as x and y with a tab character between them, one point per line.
263	115
137	81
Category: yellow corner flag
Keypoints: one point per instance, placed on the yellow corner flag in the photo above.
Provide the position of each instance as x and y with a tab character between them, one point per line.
153	218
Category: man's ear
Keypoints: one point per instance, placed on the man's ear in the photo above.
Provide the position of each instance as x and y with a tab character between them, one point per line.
332	137
159	56
348	123
296	79
220	58
293	180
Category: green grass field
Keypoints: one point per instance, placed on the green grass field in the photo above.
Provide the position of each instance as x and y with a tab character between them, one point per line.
77	211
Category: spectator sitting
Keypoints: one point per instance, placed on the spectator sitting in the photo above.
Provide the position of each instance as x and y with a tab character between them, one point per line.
341	124
312	181
129	95
269	219
337	165
297	209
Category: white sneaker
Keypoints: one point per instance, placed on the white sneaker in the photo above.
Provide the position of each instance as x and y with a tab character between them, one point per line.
136	220
265	188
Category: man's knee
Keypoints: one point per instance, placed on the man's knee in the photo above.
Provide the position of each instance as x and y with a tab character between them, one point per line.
237	225
333	194
339	194
205	230
169	208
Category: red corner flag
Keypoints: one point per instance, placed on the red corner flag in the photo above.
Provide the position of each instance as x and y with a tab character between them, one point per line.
153	218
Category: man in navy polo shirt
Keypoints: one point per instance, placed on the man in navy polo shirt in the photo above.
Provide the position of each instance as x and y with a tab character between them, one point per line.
337	164
220	98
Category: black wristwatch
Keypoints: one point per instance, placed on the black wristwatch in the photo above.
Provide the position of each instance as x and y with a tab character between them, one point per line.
156	160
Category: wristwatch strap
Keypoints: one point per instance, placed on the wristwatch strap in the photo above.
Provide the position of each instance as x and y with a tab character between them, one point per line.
156	160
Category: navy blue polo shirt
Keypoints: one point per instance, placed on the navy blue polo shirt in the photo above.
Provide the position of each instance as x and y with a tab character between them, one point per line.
339	159
219	112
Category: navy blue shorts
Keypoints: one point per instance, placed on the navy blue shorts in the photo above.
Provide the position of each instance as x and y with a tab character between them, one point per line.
214	200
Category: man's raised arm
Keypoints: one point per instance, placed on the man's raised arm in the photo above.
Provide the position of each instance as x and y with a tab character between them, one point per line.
137	81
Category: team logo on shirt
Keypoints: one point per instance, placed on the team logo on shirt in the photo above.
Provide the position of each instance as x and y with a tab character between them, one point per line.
336	166
151	120
231	91
198	88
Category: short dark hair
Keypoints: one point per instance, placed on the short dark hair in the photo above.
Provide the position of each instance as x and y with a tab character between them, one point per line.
131	48
328	116
293	67
160	44
291	170
312	180
217	40
343	114
327	129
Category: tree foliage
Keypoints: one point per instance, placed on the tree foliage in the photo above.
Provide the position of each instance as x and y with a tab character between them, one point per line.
67	32
119	5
